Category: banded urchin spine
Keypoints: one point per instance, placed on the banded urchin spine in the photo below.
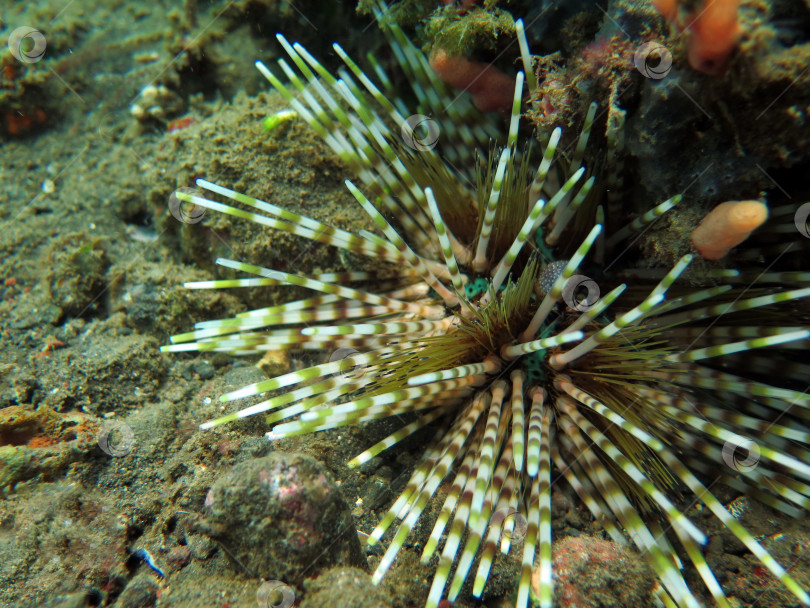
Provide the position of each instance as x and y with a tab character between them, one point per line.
618	394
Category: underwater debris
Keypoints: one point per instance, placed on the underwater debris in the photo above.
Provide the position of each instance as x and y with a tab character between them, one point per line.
147	558
156	103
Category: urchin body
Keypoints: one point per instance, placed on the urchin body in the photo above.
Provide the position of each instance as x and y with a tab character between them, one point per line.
611	391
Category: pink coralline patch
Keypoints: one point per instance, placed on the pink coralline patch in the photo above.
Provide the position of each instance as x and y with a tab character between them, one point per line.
605	58
554	98
462	6
570	556
286	491
589	571
491	89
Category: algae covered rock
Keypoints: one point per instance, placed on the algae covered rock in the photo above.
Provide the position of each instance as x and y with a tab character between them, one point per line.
594	573
341	587
283	517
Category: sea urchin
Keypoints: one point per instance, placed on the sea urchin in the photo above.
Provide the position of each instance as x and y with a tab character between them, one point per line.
483	335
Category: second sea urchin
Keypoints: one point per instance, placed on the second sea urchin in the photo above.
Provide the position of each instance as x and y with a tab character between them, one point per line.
628	396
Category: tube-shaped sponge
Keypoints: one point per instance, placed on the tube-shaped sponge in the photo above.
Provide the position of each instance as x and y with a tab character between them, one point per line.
726	226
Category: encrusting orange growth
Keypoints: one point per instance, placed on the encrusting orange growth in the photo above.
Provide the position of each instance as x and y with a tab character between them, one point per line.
713	31
491	89
726	226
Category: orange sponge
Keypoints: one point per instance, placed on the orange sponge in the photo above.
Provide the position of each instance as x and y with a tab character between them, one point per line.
726	226
491	89
713	35
713	30
668	8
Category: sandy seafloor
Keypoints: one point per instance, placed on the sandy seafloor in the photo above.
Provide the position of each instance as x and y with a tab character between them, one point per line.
91	270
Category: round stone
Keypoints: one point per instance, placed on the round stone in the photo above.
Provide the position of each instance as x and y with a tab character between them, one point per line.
283	517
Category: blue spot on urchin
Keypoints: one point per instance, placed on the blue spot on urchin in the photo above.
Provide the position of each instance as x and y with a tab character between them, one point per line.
540	244
476	288
534	365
